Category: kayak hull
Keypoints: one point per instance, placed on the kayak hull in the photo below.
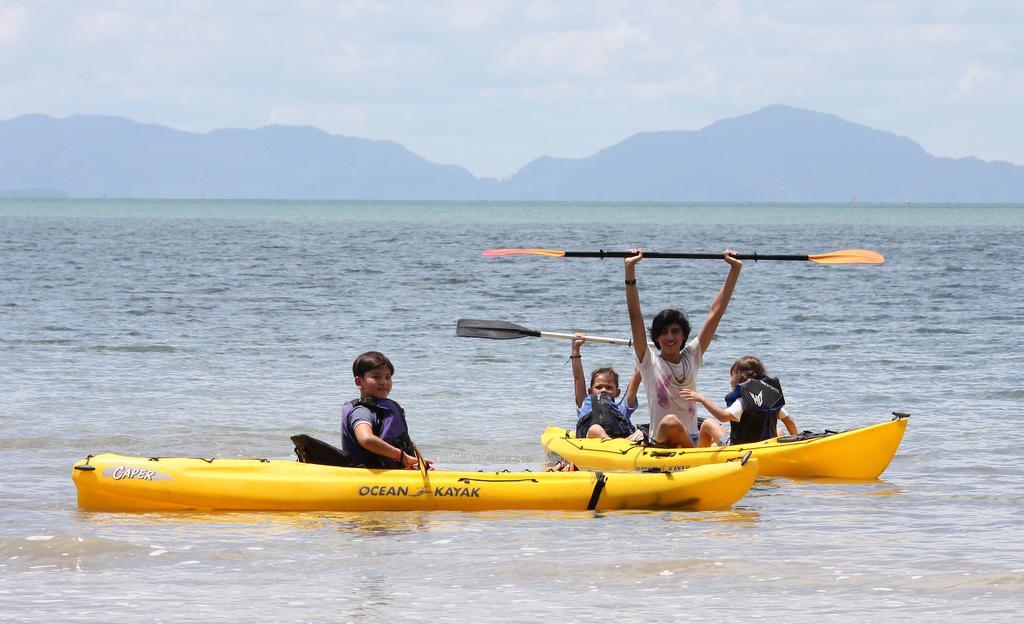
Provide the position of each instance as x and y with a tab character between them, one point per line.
862	453
112	482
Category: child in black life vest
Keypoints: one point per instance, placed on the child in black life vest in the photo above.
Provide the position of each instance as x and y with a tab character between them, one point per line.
374	433
599	415
755	405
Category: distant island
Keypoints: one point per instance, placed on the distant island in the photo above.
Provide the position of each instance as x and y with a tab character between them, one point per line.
776	154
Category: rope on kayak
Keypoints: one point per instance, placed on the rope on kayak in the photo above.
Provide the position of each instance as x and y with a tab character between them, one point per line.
661	453
598	488
469	479
742	459
579	446
209	461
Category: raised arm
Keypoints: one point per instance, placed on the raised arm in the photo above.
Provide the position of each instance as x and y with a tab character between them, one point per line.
633	387
579	380
721	302
636	317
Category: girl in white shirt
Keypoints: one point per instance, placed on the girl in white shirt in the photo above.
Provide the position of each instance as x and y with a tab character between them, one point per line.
674	368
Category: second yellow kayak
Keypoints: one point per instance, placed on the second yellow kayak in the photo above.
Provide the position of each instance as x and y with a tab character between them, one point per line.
862	453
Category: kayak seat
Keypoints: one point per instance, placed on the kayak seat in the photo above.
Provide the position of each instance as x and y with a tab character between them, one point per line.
309	450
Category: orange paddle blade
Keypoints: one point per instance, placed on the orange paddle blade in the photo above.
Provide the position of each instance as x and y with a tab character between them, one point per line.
533	252
848	256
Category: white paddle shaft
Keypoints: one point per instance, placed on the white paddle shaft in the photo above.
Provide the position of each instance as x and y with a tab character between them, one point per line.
618	341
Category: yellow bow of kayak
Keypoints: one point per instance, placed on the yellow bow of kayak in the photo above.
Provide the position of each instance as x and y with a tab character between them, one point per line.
862	453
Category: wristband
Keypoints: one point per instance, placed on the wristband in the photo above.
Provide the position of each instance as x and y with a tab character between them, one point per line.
631	282
575	357
401	456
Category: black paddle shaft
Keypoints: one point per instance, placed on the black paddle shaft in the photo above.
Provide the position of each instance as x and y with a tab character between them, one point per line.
685	256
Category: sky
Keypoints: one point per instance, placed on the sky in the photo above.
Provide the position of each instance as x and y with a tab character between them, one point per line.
492	84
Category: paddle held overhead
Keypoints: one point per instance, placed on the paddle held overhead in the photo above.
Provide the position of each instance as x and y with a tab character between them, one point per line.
843	256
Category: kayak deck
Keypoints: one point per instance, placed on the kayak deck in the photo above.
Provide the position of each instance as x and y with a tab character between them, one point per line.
110	482
862	453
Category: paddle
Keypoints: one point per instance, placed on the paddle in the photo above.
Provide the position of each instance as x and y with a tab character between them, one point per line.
422	463
501	330
843	256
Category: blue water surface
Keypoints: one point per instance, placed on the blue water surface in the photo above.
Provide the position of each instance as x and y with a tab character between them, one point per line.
212	328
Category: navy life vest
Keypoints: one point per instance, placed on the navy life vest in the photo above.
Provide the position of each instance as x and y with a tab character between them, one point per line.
390	427
603	411
762	400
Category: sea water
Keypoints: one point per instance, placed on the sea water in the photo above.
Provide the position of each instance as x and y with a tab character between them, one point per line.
201	328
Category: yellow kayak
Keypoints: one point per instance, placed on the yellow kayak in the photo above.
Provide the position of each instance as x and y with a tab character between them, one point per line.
862	453
111	482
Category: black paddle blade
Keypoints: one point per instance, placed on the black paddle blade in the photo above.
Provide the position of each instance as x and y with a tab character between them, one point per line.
495	330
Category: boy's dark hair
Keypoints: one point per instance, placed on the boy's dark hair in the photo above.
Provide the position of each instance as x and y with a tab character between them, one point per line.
602	371
664	319
370	360
748	367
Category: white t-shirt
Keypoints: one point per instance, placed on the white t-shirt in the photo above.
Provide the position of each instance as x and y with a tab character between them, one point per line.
663	380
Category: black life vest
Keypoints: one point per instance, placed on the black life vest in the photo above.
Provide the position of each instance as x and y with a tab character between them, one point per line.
603	412
762	400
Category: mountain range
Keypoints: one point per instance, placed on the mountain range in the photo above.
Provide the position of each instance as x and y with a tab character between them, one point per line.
776	154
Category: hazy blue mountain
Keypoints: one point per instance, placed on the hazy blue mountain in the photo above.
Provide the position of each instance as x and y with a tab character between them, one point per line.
97	156
777	154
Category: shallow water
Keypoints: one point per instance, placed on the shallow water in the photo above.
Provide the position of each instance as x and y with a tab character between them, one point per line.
222	328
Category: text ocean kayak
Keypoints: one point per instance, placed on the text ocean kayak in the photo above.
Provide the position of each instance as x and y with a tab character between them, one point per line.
862	453
111	482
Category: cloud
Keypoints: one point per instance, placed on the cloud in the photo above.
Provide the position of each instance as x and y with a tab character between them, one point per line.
350	60
475	16
348	9
12	20
973	77
105	26
704	79
170	29
579	53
